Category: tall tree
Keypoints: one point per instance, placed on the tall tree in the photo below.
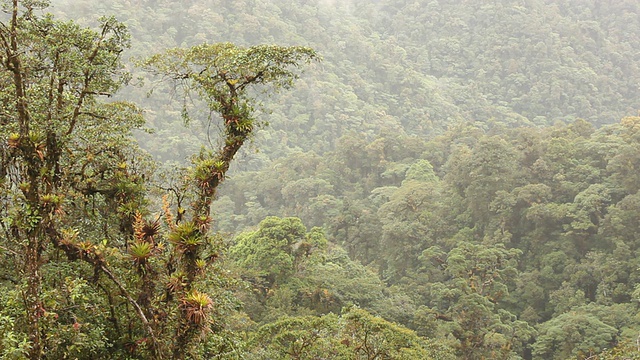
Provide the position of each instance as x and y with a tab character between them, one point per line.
221	75
61	147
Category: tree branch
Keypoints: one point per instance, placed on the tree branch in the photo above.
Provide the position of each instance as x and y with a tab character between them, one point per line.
137	307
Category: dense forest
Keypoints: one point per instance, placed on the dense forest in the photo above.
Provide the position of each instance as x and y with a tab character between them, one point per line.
319	179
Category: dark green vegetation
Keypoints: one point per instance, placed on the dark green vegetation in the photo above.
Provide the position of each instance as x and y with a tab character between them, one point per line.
455	180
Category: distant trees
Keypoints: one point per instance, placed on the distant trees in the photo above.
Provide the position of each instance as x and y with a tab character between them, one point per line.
573	335
542	214
355	334
290	271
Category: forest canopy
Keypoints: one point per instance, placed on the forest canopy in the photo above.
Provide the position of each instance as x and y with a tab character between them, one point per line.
455	179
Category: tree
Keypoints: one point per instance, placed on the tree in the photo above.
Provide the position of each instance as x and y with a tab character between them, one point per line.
61	148
269	252
573	335
410	220
468	302
222	75
623	351
356	334
290	271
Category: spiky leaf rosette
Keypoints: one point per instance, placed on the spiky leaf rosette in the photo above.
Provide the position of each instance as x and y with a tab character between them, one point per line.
196	306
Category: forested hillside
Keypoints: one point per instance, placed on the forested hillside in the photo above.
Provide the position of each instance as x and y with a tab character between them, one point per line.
417	67
445	179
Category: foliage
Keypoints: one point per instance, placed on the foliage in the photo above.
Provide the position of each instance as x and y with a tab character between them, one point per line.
289	271
573	335
517	228
413	147
356	334
86	273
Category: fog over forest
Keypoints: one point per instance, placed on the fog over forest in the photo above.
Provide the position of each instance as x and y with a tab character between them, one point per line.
320	179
